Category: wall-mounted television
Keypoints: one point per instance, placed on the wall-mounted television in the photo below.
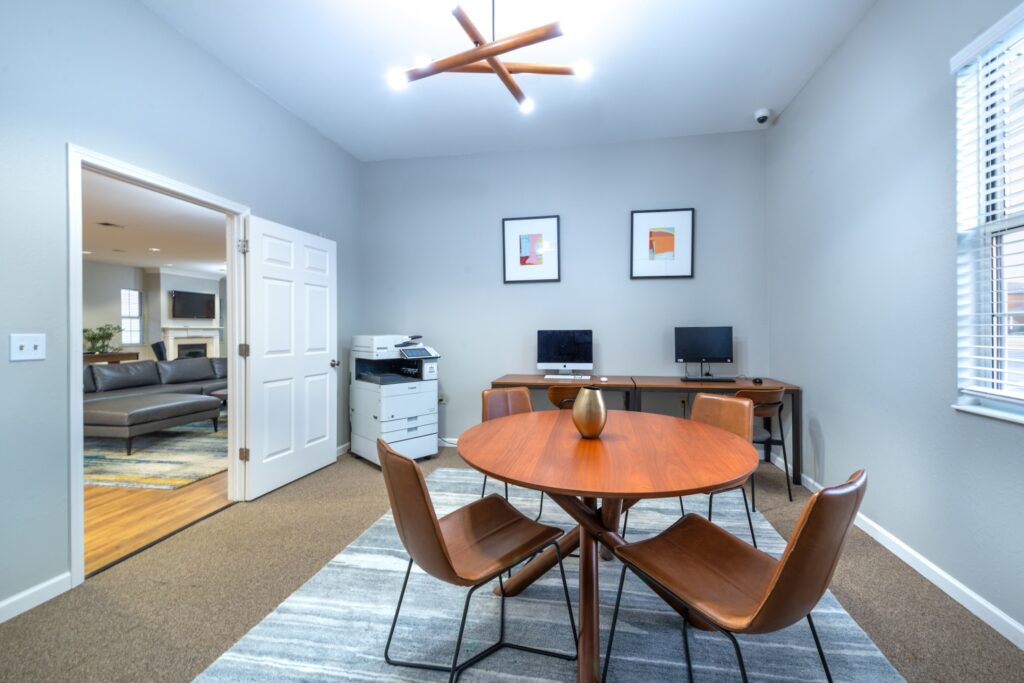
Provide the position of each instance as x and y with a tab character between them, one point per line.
193	305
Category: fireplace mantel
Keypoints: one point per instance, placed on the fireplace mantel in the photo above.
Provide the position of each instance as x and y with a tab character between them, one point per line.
189	334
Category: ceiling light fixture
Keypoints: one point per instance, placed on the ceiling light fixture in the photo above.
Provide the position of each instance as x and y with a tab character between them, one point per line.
483	59
86	252
154	248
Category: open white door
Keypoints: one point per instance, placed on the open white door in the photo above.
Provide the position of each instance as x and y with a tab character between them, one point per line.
293	336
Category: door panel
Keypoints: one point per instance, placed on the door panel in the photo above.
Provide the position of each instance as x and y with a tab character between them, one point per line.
293	332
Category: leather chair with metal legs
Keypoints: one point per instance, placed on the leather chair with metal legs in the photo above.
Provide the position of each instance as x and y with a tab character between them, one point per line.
719	583
768	406
735	415
502	403
469	547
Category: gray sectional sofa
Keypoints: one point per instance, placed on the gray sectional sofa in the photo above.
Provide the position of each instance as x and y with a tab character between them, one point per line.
126	400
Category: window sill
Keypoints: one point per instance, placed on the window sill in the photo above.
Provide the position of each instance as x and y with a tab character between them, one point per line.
995	413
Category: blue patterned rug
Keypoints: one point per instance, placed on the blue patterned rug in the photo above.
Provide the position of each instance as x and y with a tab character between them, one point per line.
334	627
168	459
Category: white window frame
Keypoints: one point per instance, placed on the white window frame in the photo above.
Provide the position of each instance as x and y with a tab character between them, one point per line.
127	336
988	73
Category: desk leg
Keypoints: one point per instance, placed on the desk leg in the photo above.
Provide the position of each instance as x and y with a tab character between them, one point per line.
798	437
638	399
590	618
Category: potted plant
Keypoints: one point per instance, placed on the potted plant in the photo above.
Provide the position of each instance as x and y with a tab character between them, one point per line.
97	339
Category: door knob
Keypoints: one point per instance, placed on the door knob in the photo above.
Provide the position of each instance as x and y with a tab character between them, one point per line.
334	363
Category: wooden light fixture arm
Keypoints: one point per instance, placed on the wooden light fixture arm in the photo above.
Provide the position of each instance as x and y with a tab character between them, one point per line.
493	62
485	51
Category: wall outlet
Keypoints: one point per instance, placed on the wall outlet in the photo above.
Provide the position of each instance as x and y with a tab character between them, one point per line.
442	398
28	347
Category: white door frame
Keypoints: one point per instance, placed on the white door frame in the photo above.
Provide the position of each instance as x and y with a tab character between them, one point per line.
237	217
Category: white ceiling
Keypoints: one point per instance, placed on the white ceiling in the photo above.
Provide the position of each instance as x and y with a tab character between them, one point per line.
662	68
189	237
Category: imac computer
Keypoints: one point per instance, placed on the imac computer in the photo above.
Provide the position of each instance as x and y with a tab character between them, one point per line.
565	351
704	345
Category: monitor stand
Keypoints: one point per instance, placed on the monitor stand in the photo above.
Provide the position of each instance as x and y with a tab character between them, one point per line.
567	374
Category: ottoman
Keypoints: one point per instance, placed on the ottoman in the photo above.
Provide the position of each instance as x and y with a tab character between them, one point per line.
132	416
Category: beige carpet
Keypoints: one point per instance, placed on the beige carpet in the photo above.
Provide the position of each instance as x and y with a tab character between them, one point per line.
168	612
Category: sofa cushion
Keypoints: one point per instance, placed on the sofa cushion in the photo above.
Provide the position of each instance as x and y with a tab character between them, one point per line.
216	385
125	412
220	367
185	370
88	384
125	375
191	388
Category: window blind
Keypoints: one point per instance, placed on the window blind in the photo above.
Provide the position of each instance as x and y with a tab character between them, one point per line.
990	224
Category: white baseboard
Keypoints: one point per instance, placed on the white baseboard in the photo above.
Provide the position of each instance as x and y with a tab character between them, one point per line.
447	441
36	595
343	448
1007	626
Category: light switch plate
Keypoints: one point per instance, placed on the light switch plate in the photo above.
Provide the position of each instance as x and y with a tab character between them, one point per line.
28	347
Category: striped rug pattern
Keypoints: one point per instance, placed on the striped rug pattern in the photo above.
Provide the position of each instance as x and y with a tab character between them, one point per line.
168	459
334	627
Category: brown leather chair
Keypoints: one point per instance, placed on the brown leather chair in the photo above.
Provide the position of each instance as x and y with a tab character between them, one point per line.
768	404
735	415
563	397
502	403
720	583
468	547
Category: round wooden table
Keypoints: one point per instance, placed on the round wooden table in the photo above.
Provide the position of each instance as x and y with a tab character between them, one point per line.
639	455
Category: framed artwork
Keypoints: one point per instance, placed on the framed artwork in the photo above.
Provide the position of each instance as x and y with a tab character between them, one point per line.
661	244
531	249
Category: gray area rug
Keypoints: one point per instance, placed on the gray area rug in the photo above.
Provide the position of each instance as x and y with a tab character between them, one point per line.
335	626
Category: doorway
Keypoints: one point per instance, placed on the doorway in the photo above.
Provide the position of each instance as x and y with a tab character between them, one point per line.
128	518
281	349
154	314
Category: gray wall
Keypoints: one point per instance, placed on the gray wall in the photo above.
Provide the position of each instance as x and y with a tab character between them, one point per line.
111	77
431	239
860	211
101	295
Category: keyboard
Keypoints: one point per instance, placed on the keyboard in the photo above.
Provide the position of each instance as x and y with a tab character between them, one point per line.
583	378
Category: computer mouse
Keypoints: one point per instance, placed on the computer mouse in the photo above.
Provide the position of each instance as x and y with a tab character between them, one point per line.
604	379
758	380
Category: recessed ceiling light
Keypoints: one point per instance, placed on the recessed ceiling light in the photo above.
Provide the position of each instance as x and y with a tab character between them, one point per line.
154	248
86	252
168	264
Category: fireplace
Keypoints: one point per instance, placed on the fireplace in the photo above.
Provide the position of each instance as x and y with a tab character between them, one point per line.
191	350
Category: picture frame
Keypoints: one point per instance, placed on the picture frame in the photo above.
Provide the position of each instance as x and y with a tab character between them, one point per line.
531	249
661	243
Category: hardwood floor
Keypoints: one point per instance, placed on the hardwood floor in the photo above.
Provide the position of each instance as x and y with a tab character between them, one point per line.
119	521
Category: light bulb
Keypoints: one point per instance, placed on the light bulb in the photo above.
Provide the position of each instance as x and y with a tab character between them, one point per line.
397	79
526	106
583	69
421	61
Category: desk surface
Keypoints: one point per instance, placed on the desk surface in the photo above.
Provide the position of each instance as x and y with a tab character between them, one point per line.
538	381
647	382
639	455
641	382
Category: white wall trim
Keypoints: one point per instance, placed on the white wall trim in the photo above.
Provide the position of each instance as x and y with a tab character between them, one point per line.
447	441
344	448
36	595
987	39
1007	626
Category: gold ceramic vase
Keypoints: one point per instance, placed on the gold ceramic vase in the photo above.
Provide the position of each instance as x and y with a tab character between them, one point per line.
589	413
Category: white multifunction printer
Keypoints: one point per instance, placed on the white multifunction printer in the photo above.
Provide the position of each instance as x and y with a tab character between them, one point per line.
393	395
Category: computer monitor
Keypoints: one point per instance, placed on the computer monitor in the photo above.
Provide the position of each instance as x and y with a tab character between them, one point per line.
703	344
565	350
